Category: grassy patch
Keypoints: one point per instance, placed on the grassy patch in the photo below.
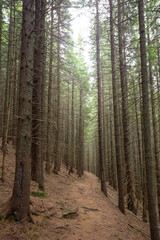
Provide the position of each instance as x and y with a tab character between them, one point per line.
67	210
38	194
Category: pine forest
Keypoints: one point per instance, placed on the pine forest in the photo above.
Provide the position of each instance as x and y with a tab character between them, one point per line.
80	119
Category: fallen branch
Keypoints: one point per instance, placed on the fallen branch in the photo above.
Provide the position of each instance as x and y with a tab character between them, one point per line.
110	195
137	229
70	215
48	209
90	209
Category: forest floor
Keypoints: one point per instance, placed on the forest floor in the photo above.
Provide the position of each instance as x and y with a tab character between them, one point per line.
72	209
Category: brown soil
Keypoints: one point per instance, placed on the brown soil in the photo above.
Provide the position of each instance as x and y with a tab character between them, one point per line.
74	209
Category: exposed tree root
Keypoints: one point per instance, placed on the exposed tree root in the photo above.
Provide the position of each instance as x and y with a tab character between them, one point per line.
8	211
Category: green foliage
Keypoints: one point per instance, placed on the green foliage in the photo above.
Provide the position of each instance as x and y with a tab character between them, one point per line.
67	210
152	51
38	194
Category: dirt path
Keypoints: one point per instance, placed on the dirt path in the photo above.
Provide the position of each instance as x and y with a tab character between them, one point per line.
98	218
74	209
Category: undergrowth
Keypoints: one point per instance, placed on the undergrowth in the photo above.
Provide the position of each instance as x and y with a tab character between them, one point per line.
38	194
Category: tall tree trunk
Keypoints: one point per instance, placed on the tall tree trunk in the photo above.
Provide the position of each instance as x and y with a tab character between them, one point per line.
67	133
100	124
139	157
19	202
88	167
116	122
145	202
49	110
77	142
125	117
150	171
7	82
8	92
57	160
72	132
80	135
1	86
113	181
158	91
104	127
43	85
37	163
15	80
154	123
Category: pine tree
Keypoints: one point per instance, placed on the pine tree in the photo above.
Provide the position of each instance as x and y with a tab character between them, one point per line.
19	202
151	185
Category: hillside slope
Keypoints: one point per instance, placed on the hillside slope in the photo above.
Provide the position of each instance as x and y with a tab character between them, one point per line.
72	209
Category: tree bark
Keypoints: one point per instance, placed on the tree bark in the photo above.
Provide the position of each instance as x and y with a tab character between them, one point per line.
154	124
150	171
116	123
57	157
1	86
37	163
100	124
67	132
80	135
8	92
44	83
49	110
72	132
139	151
7	83
125	118
19	202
